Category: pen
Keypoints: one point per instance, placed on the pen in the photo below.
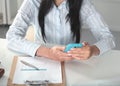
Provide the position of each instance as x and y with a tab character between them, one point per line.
38	83
28	64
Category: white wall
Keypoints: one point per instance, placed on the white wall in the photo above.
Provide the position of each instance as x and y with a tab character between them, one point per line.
19	2
0	6
11	10
2	12
110	10
1	16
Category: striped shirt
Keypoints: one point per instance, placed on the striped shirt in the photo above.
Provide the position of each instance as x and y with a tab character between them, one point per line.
57	30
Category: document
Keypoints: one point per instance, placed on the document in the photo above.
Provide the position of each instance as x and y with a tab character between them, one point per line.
37	69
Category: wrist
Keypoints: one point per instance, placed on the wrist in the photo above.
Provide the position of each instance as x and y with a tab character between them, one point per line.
95	50
43	51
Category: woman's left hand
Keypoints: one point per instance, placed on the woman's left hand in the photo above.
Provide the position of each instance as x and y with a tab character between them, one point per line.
84	53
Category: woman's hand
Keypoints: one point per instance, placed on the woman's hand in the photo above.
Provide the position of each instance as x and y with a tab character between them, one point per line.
57	53
54	53
85	52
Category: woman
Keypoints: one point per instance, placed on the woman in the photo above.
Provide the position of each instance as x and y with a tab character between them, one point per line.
56	23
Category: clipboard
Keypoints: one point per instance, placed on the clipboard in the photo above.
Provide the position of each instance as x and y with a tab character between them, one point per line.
13	67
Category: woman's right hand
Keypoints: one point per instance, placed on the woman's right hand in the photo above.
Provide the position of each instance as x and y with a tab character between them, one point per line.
57	53
54	53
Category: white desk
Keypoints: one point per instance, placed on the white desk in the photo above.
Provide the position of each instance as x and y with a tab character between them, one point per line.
97	71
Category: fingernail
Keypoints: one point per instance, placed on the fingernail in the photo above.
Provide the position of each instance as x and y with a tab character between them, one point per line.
85	43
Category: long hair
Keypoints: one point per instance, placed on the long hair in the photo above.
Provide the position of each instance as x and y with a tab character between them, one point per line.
73	16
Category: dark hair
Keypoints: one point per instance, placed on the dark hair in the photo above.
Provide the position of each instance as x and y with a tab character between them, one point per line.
73	16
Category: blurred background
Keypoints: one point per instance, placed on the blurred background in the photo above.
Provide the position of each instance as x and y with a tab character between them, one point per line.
109	10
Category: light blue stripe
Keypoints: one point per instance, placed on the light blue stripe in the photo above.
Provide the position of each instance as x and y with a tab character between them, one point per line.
33	69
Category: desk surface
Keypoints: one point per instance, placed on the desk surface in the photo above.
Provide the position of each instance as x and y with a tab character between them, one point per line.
103	70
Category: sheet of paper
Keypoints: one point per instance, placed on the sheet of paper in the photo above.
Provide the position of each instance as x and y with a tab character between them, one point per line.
48	70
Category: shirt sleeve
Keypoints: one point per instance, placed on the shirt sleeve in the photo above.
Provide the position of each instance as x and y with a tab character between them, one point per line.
96	24
17	31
